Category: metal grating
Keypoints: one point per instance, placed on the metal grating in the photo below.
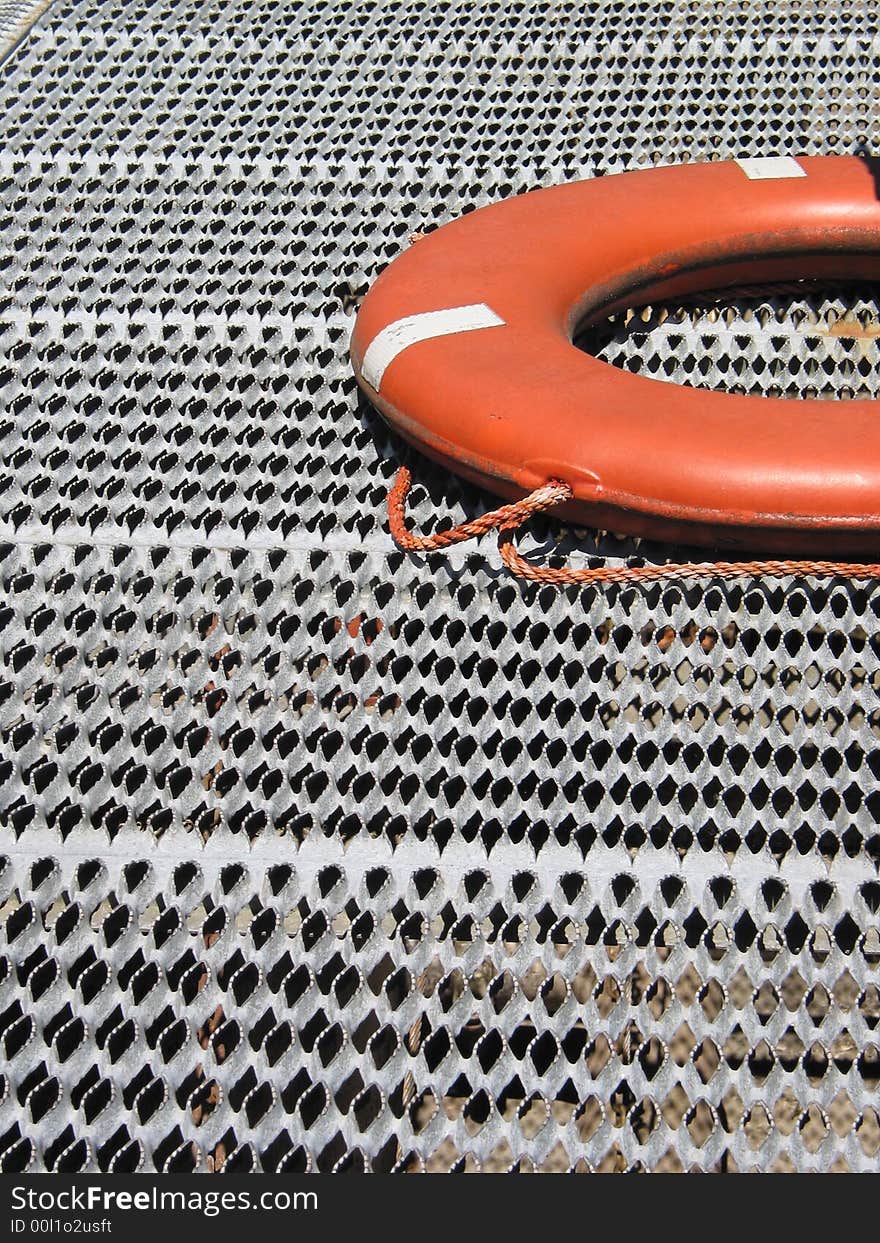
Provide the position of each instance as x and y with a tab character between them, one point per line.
16	17
320	857
817	344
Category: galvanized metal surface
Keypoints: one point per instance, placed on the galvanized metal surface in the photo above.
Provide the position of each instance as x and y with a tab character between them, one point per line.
321	857
16	17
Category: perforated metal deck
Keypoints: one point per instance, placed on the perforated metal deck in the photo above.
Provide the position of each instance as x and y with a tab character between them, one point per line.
317	856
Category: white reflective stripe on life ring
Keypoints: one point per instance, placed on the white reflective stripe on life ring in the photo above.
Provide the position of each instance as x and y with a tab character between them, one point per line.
770	167
396	337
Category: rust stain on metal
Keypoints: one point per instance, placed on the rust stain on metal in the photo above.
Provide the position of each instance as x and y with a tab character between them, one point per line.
852	330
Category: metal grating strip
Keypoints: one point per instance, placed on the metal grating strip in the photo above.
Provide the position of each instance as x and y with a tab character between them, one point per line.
316	856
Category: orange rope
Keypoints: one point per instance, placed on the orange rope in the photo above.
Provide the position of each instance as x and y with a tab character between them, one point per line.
507	519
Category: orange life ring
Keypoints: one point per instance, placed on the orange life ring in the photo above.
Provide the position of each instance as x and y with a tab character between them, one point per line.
464	344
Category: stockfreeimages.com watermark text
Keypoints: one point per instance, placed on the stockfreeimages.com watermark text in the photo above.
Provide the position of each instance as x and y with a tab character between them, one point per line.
94	1199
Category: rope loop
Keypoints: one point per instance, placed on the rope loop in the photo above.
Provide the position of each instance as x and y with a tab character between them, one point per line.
508	519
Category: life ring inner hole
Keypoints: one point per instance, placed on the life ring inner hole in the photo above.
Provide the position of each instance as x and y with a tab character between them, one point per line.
797	326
